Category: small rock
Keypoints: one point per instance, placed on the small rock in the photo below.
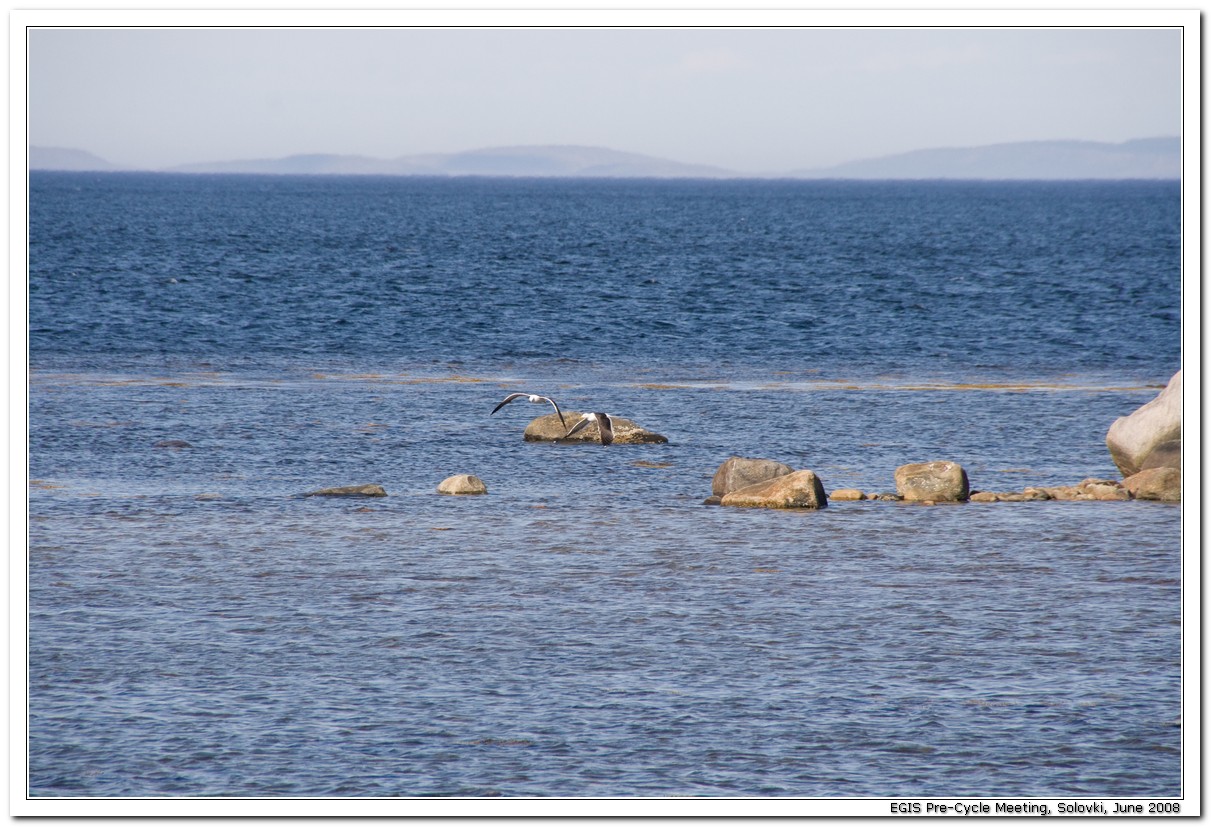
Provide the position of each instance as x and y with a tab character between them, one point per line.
1105	491
738	472
172	443
1036	494
1164	484
462	484
371	490
714	499
799	489
847	495
940	481
887	496
984	497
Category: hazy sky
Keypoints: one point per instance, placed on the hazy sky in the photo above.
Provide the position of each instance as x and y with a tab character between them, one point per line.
751	100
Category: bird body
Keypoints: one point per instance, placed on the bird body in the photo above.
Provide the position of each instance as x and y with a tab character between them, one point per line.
532	397
604	426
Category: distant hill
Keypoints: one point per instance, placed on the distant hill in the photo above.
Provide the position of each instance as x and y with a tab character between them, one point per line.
1032	160
67	160
519	161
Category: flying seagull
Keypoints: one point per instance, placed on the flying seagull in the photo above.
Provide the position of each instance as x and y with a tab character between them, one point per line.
603	423
533	398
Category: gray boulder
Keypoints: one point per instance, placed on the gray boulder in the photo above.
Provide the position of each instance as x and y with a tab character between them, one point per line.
940	481
738	472
798	489
350	491
1151	436
549	429
462	484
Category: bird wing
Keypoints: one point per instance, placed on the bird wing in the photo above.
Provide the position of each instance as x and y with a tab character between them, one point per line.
607	428
507	400
562	421
583	423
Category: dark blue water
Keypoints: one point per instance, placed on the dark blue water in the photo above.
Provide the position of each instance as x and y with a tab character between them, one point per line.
589	628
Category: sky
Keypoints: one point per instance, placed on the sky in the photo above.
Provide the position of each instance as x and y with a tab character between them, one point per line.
754	100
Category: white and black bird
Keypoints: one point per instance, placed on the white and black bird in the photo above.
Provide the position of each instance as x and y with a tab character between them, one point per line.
533	397
604	425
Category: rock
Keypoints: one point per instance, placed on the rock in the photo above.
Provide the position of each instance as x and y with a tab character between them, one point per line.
1103	490
350	491
172	443
940	481
886	496
739	472
1163	484
463	484
1036	494
798	489
1151	436
1064	492
847	495
549	429
714	499
984	497
1164	455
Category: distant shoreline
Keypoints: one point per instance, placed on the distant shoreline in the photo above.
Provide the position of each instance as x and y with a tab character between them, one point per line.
1140	159
316	176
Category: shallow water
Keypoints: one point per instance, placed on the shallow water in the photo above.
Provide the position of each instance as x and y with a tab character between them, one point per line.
588	628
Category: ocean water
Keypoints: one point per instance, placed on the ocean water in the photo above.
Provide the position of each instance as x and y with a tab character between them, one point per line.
198	628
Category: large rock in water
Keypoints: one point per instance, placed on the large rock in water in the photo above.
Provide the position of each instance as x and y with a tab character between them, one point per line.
738	472
940	481
1151	437
549	429
798	489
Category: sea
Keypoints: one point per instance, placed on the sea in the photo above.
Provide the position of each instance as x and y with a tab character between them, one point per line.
206	350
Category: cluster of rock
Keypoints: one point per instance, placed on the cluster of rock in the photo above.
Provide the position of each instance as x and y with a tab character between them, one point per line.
764	483
1146	447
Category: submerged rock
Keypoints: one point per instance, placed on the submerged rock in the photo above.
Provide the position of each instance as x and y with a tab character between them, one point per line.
462	484
798	489
371	490
549	429
738	472
172	443
940	481
1151	436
